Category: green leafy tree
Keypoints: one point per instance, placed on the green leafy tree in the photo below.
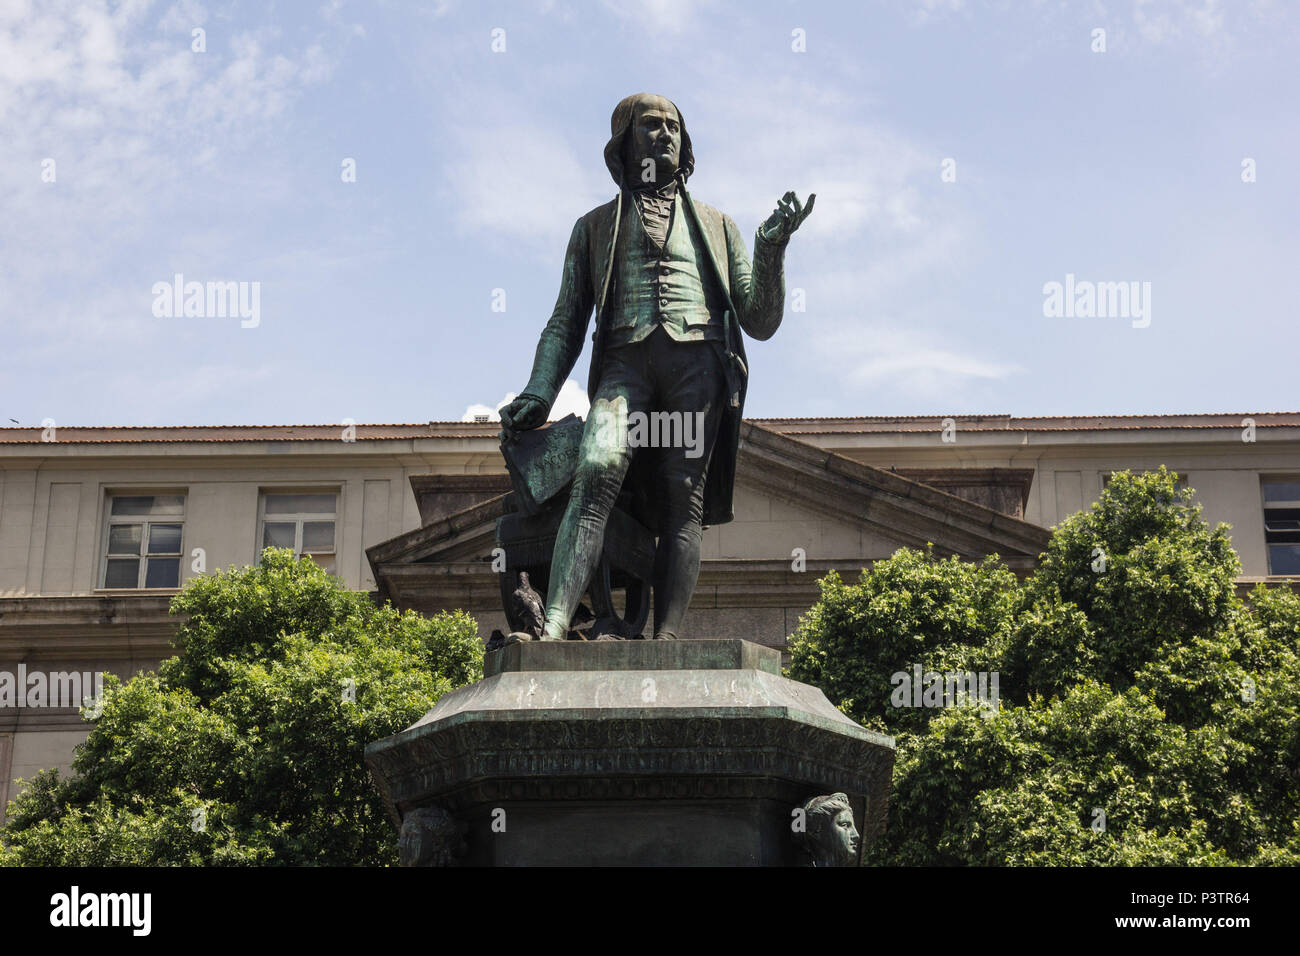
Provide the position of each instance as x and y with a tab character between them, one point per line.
1120	583
246	747
1148	715
911	609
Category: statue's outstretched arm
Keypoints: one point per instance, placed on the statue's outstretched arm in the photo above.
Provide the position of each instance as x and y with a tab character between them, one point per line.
758	291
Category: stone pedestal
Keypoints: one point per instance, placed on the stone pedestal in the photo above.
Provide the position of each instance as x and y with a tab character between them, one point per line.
630	753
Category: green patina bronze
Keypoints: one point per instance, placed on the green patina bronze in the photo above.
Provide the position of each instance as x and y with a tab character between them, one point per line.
682	753
672	288
670	753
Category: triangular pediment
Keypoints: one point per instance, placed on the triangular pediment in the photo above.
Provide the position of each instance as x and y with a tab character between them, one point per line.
462	536
785	483
786	490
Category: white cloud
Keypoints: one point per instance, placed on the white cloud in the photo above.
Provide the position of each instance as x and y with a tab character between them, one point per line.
906	360
895	277
522	182
1161	21
923	10
658	16
141	131
572	400
1210	28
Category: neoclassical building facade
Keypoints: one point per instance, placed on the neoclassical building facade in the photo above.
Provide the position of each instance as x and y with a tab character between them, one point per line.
99	527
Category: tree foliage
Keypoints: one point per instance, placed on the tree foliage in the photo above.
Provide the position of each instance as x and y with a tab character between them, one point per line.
1148	715
246	747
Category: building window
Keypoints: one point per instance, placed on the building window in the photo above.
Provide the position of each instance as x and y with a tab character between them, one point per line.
303	521
142	542
1282	524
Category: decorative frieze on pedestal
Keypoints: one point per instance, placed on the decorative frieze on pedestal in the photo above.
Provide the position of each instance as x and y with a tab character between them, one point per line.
633	752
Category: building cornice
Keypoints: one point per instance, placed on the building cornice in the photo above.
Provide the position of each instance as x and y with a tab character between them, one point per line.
92	626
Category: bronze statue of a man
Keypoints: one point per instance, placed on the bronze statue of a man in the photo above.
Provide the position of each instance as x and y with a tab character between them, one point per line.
672	289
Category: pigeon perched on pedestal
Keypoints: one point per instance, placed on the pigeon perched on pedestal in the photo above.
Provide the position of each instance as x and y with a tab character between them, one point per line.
526	608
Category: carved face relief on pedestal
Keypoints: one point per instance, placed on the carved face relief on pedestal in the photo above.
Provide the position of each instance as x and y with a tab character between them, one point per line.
845	837
430	836
830	837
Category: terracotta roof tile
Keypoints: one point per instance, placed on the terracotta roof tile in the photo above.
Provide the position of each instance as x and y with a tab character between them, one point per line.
862	424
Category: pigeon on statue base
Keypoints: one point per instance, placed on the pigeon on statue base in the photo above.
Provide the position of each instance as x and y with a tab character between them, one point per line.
526	608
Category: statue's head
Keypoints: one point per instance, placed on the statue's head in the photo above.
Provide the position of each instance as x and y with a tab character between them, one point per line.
830	838
648	127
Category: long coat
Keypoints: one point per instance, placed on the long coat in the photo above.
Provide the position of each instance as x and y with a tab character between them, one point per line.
754	295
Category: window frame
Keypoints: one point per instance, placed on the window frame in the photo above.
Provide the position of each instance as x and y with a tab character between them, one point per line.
299	518
146	521
1264	506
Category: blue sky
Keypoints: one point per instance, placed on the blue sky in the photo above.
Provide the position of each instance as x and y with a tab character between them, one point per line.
922	296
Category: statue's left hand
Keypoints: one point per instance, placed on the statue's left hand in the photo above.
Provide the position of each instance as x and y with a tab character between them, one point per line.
787	217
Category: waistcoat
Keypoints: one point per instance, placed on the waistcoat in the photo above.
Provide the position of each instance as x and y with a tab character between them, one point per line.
662	285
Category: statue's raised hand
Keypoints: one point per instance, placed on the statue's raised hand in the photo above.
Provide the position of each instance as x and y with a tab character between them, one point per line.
788	216
523	413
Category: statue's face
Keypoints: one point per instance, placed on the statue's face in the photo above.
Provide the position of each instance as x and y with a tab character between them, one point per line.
657	136
844	837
